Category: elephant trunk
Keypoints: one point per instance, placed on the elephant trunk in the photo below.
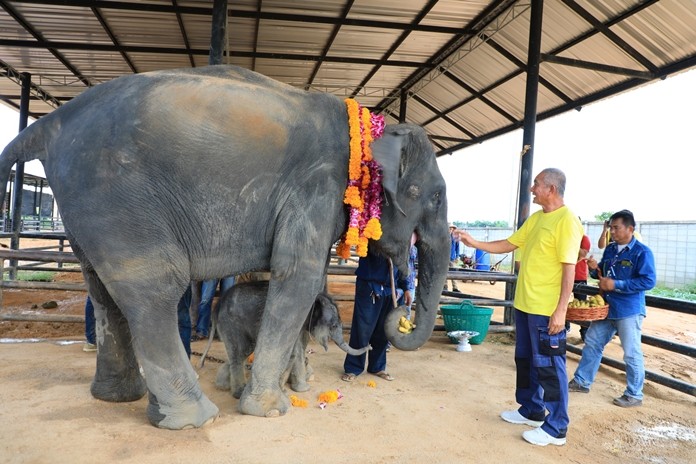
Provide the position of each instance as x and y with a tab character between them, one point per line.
337	337
433	264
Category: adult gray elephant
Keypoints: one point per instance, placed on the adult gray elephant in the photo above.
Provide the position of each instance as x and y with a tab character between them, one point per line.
172	176
238	318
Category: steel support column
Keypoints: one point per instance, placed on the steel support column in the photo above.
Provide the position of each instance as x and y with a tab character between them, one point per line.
530	111
217	33
530	114
402	106
25	79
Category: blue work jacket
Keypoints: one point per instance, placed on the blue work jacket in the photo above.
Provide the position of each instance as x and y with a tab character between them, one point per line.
374	269
633	271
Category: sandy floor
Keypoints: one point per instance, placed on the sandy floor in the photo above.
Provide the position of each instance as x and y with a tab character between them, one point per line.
443	406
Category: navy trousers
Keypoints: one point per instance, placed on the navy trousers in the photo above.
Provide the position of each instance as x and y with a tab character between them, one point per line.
542	381
369	312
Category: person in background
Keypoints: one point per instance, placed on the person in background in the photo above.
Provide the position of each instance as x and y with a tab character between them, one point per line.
184	320
90	327
205	307
454	254
625	272
604	237
373	301
551	241
581	276
412	258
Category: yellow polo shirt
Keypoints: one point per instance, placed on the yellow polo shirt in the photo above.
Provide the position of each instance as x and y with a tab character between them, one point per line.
548	239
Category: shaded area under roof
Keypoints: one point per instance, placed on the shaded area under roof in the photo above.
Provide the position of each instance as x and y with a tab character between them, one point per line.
459	66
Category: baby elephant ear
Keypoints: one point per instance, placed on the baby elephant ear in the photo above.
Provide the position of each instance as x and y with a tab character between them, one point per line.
386	150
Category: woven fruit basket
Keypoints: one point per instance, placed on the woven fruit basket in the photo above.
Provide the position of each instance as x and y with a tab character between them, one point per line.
593	313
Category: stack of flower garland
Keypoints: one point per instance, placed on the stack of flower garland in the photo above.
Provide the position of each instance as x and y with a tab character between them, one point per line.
364	191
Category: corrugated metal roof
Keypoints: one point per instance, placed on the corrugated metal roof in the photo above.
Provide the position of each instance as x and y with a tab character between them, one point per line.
461	64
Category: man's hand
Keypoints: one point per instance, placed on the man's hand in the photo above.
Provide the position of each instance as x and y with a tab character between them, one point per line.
464	237
607	284
408	298
557	320
592	263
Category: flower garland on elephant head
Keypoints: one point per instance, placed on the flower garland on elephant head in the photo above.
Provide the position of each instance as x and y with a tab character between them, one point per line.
364	191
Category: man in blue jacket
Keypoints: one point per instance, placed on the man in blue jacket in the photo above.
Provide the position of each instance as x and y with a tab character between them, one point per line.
373	301
625	272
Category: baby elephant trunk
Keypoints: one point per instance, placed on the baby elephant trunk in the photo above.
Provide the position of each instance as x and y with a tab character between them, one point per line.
337	337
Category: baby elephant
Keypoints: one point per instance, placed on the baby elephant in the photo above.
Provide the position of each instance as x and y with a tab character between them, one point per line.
238	319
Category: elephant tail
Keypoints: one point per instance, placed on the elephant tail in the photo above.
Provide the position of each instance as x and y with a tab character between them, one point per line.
29	145
214	318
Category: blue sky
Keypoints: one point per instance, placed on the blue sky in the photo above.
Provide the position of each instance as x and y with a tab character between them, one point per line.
634	151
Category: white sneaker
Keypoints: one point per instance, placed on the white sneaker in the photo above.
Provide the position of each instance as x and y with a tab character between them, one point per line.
538	436
514	417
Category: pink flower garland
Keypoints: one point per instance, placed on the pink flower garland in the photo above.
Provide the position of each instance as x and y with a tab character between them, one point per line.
364	190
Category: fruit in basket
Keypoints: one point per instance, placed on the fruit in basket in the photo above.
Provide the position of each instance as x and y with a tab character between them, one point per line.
597	300
592	302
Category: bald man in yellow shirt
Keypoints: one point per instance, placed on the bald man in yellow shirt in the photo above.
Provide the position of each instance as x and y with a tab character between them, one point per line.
551	241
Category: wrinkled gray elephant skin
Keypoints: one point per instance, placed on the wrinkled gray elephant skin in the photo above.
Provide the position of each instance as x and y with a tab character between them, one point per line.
172	176
238	318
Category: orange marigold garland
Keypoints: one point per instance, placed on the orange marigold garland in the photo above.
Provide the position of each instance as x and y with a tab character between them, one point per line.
298	402
364	191
329	396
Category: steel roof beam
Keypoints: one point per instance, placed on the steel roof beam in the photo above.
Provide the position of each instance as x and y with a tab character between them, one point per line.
397	43
460	46
113	38
27	27
329	42
36	90
604	29
521	66
596	66
201	52
257	28
184	35
248	14
454	123
661	73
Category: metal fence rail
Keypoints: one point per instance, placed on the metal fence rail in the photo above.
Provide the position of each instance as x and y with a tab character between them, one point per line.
60	258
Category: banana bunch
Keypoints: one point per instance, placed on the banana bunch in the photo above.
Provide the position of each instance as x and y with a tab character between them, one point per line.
591	302
406	326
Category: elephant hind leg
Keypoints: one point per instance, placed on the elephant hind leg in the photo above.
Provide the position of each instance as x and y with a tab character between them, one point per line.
117	377
197	411
222	380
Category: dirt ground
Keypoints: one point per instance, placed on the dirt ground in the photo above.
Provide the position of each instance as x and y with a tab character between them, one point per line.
442	407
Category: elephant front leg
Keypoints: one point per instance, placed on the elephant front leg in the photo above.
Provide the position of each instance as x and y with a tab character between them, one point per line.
298	368
263	395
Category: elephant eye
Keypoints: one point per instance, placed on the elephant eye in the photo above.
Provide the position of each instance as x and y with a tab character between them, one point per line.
437	199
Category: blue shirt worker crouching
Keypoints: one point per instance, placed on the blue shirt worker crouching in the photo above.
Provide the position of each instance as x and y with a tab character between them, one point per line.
625	272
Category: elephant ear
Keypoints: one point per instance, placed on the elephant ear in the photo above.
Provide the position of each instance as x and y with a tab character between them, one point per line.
386	150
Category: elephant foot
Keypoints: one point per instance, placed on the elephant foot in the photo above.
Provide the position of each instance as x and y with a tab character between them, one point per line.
222	381
186	415
300	386
117	389
237	392
267	403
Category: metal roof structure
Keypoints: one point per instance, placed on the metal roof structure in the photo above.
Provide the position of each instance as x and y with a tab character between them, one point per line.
456	67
